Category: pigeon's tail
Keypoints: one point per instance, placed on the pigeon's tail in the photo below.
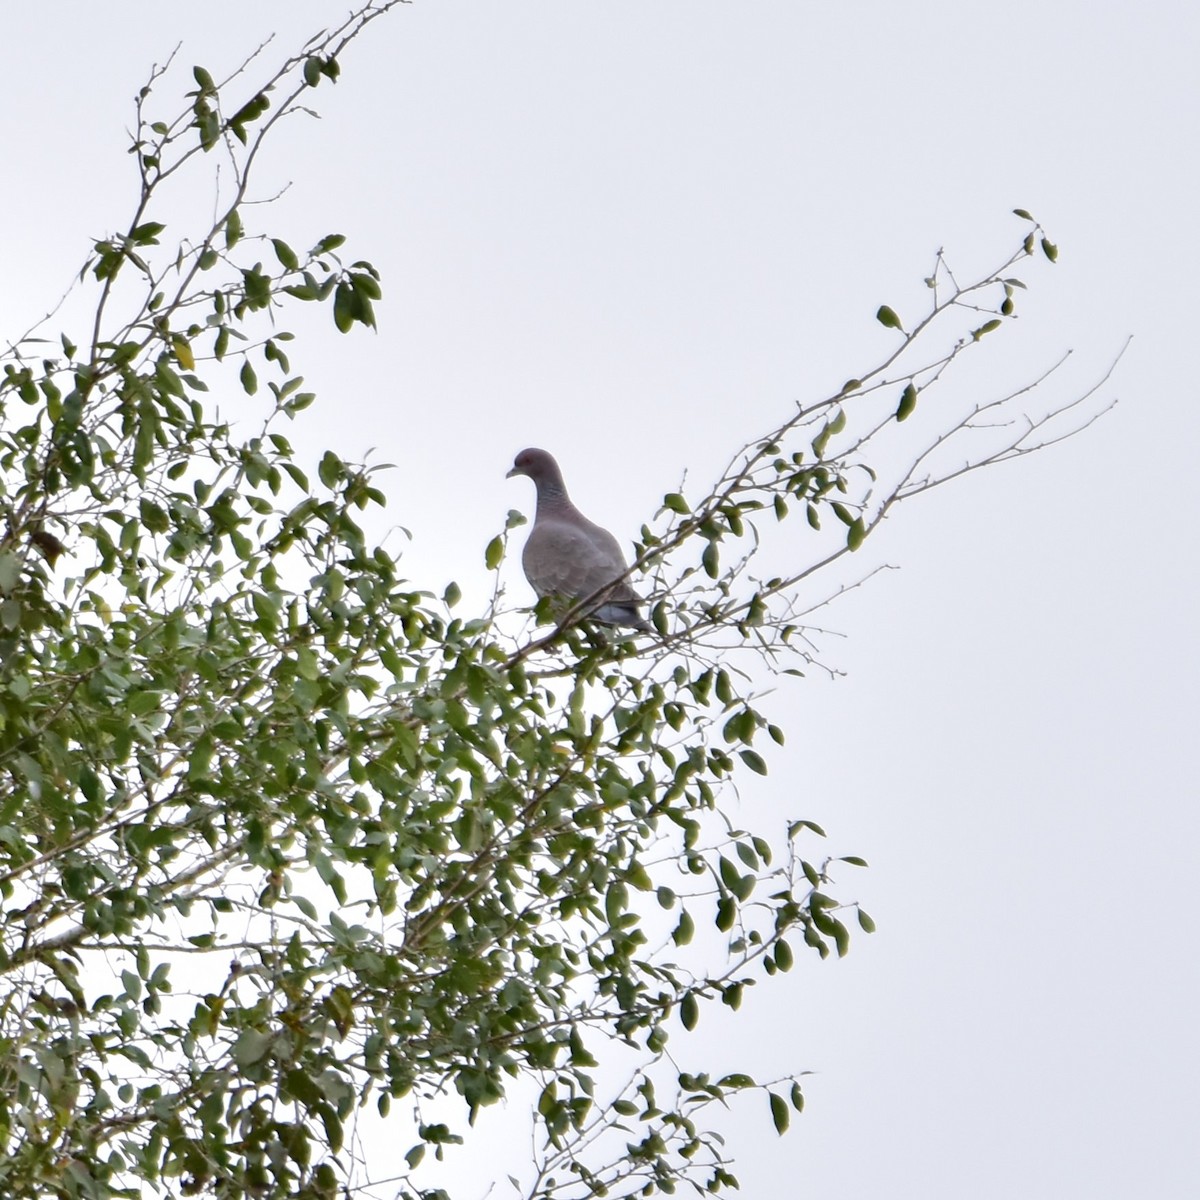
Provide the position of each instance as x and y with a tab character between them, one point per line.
616	612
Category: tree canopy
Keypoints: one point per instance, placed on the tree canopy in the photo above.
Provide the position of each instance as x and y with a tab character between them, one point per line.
286	839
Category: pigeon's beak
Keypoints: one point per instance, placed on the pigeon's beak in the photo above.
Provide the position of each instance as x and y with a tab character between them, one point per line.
514	471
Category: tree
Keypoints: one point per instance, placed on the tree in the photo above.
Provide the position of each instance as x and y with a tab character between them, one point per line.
413	853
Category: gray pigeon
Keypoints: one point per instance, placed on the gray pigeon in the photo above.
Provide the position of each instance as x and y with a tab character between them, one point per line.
570	557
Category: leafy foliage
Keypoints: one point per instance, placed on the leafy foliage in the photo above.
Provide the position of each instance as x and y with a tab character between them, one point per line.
281	836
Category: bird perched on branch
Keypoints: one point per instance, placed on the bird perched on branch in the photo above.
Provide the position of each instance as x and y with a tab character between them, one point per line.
571	558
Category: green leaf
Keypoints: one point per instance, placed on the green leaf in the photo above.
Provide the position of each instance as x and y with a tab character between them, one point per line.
748	855
658	618
251	1047
736	1079
493	556
887	317
908	403
295	404
153	516
183	352
866	922
1020	212
346	307
264	609
780	1113
256	288
10	571
312	76
329	470
986	327
689	1011
796	826
329	243
250	111
285	254
841	936
856	534
754	761
1050	250
711	560
685	930
730	876
146	234
676	503
307	665
249	378
365	283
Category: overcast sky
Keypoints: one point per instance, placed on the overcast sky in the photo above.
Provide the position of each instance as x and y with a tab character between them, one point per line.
636	234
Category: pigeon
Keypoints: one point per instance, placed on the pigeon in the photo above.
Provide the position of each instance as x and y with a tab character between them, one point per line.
568	556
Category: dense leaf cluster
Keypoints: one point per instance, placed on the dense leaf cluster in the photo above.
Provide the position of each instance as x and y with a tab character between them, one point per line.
282	836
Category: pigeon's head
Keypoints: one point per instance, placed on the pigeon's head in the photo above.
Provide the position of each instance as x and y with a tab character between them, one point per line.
537	464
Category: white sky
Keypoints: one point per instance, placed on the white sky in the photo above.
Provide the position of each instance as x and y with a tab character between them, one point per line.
635	234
